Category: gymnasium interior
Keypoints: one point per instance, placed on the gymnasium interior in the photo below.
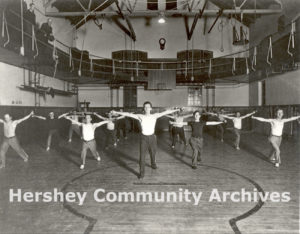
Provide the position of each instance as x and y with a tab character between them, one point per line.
197	55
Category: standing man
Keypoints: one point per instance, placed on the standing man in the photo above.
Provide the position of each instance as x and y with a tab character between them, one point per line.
110	129
52	126
237	124
276	133
148	138
73	127
10	138
196	139
88	136
178	127
221	127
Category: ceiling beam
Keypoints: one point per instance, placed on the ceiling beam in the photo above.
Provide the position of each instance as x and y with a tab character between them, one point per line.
166	13
80	4
90	4
218	16
198	16
123	28
131	31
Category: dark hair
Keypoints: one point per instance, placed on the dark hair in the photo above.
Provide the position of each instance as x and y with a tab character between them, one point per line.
147	102
196	112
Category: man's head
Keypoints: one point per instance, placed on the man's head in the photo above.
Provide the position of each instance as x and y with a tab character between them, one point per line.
49	22
147	107
51	115
7	118
238	114
197	115
31	7
88	119
279	113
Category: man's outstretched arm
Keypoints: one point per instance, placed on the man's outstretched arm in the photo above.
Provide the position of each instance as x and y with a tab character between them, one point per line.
126	114
25	118
73	121
100	123
246	116
167	112
262	119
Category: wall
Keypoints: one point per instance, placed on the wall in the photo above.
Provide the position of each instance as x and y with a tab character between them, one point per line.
255	94
101	96
280	90
225	95
12	77
283	89
163	98
111	38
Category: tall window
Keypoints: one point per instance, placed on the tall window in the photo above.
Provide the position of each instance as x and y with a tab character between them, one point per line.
194	96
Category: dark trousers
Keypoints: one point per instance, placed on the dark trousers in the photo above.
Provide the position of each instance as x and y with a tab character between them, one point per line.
50	134
122	129
221	130
74	128
89	145
147	143
178	131
110	137
197	146
14	143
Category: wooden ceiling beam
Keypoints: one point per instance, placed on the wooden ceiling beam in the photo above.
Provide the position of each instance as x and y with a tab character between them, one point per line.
168	13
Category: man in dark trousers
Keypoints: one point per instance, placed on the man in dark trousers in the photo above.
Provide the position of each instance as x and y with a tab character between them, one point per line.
148	137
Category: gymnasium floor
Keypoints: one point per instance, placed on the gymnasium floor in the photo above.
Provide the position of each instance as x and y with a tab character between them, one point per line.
222	167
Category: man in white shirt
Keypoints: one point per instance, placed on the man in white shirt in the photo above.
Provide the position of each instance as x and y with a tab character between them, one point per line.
10	138
237	126
148	138
88	136
276	133
178	127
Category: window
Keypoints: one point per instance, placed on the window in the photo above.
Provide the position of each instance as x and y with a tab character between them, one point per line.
194	96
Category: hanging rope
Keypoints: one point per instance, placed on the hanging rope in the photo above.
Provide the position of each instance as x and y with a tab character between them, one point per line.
4	25
292	38
34	43
247	66
209	68
55	57
22	52
270	52
233	66
192	77
81	54
220	28
113	67
254	59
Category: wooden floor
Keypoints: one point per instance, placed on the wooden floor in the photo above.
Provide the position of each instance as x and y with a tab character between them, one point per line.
222	168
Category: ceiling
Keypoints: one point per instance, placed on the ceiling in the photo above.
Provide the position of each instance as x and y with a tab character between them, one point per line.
74	10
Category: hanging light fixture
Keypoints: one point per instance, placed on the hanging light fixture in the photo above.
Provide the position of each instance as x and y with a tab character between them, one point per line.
161	19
